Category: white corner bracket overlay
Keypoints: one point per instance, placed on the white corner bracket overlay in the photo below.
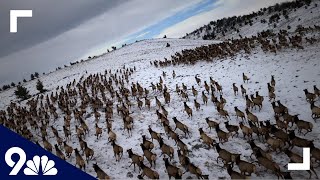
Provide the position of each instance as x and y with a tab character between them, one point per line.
14	14
305	165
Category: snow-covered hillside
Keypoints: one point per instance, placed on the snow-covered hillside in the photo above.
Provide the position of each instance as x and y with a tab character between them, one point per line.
293	70
304	16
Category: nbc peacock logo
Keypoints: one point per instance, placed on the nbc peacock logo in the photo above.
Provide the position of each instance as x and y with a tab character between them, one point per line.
47	166
36	166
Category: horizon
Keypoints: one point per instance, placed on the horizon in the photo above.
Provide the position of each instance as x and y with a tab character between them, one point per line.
84	34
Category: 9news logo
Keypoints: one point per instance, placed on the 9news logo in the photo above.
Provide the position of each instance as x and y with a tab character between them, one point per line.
33	166
23	159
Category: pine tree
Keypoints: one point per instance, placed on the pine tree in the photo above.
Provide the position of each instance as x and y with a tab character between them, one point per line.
40	87
22	93
32	77
36	75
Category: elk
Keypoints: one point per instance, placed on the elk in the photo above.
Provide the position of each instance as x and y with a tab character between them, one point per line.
310	97
59	152
256	148
301	124
272	96
297	141
98	131
166	149
147	144
280	134
147	102
46	144
239	114
256	102
80	132
172	171
223	113
206	86
211	124
246	131
226	156
243	91
146	171
100	173
196	105
154	135
158	102
281	124
198	80
68	149
274	143
187	109
194	92
117	150
245	167
204	98
245	78
284	109
233	174
315	110
251	117
181	126
273	82
190	167
232	128
315	153
316	90
268	164
249	103
88	152
112	136
128	127
67	133
223	136
270	88
140	103
151	157
277	110
235	89
79	160
182	146
136	159
206	139
183	159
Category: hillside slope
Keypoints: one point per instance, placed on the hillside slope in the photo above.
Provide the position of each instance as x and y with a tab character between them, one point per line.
293	71
275	18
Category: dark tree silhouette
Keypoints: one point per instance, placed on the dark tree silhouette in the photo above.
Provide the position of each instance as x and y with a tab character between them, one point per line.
36	75
22	93
40	87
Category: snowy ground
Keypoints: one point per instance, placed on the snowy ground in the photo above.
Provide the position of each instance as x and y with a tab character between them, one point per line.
305	17
293	71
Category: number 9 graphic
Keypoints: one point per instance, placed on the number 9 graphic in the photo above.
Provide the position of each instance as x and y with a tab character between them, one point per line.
16	166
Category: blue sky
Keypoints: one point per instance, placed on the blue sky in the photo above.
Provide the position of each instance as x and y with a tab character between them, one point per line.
155	29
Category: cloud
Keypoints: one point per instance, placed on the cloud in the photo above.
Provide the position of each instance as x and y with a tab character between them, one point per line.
50	18
221	9
66	35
